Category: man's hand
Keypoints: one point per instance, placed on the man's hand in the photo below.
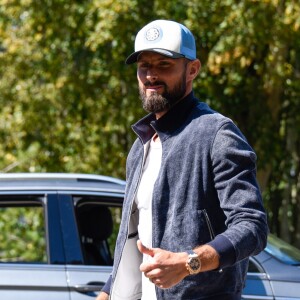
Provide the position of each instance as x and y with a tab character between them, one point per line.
102	296
164	268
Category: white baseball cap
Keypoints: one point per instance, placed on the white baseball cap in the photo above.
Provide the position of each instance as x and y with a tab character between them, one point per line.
168	38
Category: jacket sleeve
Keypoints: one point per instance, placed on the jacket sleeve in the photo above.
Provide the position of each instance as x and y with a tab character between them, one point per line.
234	171
106	287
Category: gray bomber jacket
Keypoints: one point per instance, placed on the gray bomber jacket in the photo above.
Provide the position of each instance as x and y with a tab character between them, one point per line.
206	192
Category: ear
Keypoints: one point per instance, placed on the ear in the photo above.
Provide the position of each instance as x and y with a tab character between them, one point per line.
193	69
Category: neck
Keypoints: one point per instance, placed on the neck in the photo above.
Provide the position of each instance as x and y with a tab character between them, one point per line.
161	113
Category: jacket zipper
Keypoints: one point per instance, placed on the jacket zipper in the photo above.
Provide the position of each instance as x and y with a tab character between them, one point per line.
210	228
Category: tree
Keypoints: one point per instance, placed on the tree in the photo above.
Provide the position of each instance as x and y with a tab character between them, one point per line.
63	94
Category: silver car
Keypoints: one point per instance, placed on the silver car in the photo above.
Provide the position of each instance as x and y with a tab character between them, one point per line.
274	273
58	233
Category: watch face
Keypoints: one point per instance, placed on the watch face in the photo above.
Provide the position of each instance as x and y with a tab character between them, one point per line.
194	264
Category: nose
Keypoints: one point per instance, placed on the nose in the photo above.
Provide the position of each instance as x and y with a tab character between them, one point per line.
151	75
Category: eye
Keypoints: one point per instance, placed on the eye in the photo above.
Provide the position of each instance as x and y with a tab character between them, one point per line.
164	64
143	65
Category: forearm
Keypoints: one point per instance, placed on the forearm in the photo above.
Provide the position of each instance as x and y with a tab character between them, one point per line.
209	257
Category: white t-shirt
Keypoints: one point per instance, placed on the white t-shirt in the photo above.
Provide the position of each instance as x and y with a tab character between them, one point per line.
144	204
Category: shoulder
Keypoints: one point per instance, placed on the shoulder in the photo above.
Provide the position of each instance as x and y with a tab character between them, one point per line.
214	129
206	121
205	113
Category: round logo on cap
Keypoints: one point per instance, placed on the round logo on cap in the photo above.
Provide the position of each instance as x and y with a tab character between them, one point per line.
152	34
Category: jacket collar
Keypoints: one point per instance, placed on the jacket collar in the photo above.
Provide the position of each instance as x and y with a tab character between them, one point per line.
168	123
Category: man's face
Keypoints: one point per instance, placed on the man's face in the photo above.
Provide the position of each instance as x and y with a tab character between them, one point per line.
162	81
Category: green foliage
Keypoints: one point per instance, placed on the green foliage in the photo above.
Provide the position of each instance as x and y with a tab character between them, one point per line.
68	100
116	215
24	238
64	94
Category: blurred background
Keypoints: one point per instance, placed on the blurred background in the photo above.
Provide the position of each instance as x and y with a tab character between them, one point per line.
67	99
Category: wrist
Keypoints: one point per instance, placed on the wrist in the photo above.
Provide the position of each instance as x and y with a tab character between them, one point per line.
209	257
183	259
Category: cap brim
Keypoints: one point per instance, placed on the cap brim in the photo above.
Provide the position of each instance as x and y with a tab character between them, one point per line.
132	58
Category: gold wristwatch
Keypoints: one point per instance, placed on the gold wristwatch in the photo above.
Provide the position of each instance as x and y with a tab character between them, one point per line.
193	263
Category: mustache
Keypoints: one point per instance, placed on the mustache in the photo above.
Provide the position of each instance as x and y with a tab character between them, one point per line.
148	83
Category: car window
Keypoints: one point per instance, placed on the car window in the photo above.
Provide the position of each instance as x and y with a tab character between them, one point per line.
23	235
254	268
283	251
98	224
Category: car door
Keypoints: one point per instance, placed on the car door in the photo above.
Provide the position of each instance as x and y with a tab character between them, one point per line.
96	219
31	268
257	285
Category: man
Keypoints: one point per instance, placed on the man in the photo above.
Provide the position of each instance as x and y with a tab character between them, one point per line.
192	212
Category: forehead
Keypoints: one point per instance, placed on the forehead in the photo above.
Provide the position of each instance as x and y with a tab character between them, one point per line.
152	56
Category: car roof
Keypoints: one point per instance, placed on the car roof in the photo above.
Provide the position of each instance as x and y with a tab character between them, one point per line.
59	181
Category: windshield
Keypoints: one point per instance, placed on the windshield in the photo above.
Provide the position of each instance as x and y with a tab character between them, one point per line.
283	251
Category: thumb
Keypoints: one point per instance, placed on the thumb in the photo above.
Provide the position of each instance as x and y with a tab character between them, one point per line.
143	249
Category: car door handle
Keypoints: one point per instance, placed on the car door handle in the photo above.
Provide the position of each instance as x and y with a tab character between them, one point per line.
94	286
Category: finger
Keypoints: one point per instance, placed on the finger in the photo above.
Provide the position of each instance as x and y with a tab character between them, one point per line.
150	272
157	282
145	250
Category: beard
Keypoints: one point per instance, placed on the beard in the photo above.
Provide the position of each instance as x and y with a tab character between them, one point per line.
155	102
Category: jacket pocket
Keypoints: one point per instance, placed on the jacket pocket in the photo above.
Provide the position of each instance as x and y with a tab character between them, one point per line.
204	230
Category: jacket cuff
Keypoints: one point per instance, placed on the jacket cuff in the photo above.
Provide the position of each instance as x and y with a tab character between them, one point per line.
106	287
225	250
